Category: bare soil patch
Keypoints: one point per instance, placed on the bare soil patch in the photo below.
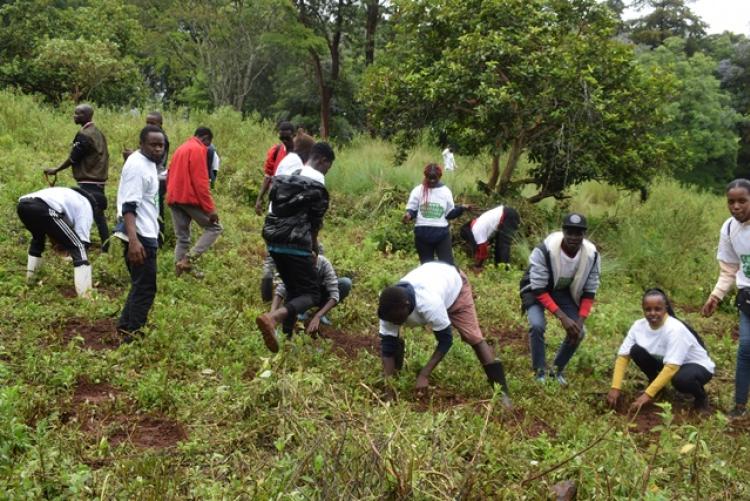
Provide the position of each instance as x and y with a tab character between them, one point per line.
516	337
101	411
531	426
97	335
438	400
349	345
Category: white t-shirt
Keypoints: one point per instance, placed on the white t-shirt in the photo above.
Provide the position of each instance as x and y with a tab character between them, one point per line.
734	248
216	162
439	204
486	225
309	172
436	287
139	184
290	163
74	206
568	268
448	161
672	341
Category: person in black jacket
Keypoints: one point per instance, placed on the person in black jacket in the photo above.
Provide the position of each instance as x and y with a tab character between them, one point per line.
298	204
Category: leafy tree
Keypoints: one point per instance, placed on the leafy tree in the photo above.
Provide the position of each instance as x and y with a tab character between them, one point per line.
667	18
701	122
540	77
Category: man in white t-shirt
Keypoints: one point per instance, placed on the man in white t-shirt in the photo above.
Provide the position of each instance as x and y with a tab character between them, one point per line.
138	212
448	161
65	215
500	223
437	294
562	277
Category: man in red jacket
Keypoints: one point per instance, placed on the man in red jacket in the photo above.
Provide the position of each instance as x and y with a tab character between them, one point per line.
189	198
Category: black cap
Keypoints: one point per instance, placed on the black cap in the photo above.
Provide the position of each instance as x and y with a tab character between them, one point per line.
575	220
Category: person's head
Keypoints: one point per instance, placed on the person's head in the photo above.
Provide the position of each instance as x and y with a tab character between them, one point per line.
83	114
88	196
432	175
155	118
656	307
574	230
152	143
394	305
321	157
286	135
738	199
205	135
303	146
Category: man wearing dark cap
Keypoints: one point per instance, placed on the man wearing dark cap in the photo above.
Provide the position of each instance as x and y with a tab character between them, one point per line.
562	277
90	160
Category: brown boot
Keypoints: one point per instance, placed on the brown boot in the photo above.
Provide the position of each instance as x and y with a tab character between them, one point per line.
267	327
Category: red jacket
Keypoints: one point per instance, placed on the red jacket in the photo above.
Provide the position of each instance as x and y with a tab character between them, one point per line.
274	156
187	178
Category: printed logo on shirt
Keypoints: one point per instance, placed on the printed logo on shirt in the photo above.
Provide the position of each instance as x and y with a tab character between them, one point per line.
431	210
745	258
563	283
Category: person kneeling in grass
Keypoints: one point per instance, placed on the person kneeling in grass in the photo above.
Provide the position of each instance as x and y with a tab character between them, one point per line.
333	290
665	349
438	294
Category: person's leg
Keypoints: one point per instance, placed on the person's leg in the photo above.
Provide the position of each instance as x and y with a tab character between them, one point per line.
345	286
537	326
425	250
444	249
34	214
566	303
143	292
690	379
266	281
742	374
211	231
124	321
181	225
504	235
97	191
650	365
302	292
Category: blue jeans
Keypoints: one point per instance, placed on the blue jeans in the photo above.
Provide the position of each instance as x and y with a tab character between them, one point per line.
742	374
537	326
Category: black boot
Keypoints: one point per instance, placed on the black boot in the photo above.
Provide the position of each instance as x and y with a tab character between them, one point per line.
399	355
266	288
496	375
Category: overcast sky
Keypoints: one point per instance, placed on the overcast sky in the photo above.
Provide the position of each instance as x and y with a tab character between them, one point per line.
720	15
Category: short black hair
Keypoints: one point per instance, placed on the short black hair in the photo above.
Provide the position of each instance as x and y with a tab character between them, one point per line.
88	196
148	130
391	298
286	126
204	131
322	150
740	182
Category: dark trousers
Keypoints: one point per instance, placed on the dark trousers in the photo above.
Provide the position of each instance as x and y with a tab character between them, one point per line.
301	282
41	220
503	236
97	191
142	292
690	378
433	241
538	325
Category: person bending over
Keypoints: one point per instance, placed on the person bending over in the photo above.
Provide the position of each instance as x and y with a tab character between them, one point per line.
500	223
438	294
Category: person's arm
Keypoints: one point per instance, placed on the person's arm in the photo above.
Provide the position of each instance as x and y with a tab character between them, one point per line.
727	274
330	281
444	342
412	205
664	377
389	347
618	375
136	252
277	299
81	148
264	187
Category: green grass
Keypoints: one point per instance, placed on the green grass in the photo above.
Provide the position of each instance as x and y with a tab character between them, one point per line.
309	423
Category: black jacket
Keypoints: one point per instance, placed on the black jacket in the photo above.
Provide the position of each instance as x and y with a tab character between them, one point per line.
298	205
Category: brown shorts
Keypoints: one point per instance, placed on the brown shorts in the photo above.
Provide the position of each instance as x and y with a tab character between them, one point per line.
463	315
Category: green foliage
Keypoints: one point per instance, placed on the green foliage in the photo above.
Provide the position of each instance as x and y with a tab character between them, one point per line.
309	422
543	78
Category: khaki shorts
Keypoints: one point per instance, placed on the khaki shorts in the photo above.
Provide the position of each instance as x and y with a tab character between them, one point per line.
463	315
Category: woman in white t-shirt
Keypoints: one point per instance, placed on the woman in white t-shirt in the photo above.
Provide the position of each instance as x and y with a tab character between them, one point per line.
734	263
431	205
665	349
498	225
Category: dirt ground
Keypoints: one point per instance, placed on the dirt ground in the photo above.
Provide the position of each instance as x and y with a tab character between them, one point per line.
349	345
97	335
100	410
516	337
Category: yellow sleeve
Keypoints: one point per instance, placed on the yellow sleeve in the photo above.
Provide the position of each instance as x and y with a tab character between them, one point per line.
662	379
620	365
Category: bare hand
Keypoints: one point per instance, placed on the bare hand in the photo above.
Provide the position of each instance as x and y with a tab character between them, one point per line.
51	171
314	325
613	397
213	218
422	383
572	328
640	402
710	307
136	253
259	207
406	218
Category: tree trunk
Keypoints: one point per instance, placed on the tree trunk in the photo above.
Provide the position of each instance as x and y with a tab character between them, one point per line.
495	174
510	165
371	25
